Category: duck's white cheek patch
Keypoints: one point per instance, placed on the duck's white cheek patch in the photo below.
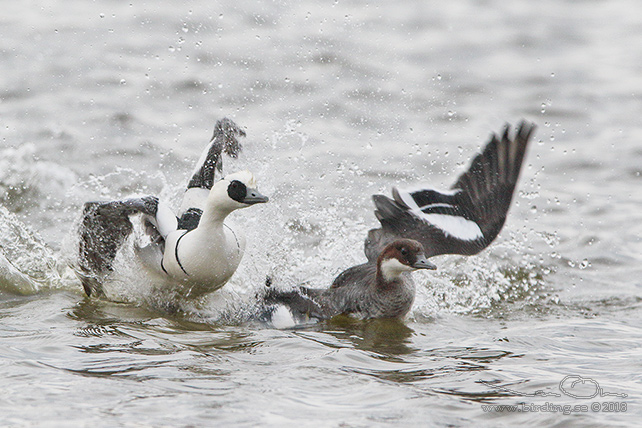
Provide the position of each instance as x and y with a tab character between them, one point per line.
457	227
392	268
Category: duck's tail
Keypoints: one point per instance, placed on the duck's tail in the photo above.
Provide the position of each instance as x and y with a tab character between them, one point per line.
298	303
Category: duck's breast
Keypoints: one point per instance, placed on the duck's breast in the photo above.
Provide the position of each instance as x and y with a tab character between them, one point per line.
207	257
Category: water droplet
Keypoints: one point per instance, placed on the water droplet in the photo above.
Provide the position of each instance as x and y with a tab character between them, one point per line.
584	264
439	77
102	15
543	108
123	81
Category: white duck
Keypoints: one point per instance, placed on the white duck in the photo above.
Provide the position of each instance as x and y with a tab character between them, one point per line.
197	250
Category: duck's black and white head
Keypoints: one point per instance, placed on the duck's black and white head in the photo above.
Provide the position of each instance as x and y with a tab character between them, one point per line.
237	190
402	255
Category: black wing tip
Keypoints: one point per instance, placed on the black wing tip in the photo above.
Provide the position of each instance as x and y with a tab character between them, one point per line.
230	132
526	128
503	142
523	131
90	285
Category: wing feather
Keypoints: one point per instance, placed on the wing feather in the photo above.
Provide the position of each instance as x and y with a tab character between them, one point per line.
464	219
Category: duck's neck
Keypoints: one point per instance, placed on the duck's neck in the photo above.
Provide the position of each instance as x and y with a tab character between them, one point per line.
214	216
217	207
388	273
384	277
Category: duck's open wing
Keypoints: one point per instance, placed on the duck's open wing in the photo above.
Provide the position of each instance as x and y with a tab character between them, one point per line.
104	228
224	140
465	219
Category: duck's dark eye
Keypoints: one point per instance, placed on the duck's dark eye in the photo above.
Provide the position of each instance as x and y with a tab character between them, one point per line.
404	251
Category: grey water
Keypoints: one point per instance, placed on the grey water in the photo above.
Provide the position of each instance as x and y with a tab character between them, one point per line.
340	100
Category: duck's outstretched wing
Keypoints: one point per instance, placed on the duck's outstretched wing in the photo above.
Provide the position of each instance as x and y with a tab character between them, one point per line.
104	228
465	219
224	140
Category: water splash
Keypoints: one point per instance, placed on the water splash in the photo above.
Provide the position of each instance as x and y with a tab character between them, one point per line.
312	240
26	182
27	265
478	285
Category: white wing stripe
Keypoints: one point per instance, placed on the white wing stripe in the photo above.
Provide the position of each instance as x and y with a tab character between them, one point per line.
438	205
408	200
457	227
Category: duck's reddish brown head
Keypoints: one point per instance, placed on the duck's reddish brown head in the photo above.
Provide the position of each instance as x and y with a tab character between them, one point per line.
402	255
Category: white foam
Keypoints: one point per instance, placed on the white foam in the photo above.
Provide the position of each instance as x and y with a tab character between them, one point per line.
282	318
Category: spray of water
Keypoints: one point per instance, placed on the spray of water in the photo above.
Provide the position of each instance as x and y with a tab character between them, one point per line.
301	237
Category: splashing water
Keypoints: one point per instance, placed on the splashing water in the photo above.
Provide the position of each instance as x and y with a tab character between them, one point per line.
27	265
311	247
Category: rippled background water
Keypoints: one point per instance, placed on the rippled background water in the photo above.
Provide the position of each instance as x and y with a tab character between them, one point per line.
106	99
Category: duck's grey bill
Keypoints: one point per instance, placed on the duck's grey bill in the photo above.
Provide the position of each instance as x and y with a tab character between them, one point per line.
255	197
423	263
